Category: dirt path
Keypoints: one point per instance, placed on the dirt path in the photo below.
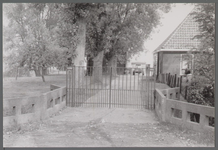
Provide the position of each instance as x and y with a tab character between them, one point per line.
103	127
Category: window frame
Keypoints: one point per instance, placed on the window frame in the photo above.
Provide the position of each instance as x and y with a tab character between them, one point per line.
181	64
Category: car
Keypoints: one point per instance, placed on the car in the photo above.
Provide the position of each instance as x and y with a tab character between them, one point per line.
138	70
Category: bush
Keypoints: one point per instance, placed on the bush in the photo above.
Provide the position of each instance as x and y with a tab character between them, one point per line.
203	96
208	93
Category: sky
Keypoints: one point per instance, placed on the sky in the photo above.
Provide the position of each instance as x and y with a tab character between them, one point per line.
169	22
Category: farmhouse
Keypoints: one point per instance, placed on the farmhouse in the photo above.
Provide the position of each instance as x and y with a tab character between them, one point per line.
170	56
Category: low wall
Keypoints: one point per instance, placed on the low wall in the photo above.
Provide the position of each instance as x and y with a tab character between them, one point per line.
54	87
171	93
29	109
168	109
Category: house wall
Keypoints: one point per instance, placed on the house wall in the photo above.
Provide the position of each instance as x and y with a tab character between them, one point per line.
171	62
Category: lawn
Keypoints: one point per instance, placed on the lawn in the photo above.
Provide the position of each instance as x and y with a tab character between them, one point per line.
30	86
34	86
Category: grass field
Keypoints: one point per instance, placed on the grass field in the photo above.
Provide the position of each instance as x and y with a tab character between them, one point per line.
30	86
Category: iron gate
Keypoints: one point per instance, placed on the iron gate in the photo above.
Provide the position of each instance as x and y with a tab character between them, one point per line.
110	87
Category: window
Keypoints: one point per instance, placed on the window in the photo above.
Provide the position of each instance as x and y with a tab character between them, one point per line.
186	64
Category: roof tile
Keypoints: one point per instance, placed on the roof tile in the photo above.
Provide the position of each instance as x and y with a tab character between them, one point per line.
182	36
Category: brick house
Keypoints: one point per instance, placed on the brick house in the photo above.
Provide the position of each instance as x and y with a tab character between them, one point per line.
169	56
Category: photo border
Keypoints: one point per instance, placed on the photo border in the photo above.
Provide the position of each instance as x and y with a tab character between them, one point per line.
112	1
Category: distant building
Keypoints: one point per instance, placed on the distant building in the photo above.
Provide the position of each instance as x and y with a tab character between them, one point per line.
136	61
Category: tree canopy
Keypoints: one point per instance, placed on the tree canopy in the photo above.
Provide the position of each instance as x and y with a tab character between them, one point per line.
118	28
40	35
37	36
204	65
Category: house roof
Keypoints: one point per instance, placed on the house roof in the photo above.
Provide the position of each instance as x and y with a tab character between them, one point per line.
181	39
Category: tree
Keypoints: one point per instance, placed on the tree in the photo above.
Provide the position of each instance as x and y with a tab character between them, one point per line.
28	33
204	14
37	36
116	29
204	58
46	34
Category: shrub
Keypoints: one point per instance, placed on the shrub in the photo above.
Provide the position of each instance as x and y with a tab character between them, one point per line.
199	95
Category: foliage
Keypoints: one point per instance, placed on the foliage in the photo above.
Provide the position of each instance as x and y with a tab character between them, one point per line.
204	61
121	28
31	38
38	36
46	34
201	95
204	56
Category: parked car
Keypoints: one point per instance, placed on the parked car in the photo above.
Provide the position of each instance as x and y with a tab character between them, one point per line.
138	70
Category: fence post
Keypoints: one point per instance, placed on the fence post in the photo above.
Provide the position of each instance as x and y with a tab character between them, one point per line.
67	90
168	80
73	85
68	85
177	85
110	87
175	81
186	88
171	81
180	86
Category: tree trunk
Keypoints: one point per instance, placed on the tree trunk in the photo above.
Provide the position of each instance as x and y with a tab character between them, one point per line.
80	49
113	63
16	73
43	78
45	71
37	71
42	74
97	67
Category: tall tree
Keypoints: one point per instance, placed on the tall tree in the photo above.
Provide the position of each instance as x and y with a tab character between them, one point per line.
28	26
116	29
37	36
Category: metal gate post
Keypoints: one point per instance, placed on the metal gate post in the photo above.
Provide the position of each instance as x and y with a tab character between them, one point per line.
73	86
67	86
110	87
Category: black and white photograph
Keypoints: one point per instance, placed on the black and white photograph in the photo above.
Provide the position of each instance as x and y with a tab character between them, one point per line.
108	74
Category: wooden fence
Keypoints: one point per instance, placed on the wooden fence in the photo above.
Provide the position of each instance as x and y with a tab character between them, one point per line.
174	81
